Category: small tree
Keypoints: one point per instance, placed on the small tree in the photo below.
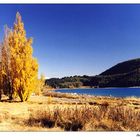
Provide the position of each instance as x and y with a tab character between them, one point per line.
40	85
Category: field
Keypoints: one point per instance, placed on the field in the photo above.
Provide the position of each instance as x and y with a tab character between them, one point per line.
66	112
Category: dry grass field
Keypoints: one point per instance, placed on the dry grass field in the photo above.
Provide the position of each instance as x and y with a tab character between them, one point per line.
67	112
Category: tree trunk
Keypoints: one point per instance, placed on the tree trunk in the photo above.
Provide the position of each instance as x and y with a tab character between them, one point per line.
0	96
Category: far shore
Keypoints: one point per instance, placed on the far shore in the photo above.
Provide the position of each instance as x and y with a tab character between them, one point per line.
87	87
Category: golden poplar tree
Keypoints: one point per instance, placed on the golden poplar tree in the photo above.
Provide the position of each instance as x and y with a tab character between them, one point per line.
24	68
1	86
5	70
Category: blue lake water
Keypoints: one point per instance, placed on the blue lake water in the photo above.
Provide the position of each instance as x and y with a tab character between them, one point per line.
115	92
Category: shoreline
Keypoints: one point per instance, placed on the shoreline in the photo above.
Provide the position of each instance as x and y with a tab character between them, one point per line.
75	95
71	91
95	88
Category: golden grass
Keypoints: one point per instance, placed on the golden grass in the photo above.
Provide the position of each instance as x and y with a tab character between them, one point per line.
57	112
87	118
61	95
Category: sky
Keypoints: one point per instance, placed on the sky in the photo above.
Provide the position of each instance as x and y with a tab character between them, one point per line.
78	39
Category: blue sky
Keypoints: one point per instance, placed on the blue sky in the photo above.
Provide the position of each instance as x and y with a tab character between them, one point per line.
78	39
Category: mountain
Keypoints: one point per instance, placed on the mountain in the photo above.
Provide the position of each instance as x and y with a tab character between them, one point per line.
124	74
123	67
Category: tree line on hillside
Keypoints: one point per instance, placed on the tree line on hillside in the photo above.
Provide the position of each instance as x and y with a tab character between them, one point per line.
128	79
18	68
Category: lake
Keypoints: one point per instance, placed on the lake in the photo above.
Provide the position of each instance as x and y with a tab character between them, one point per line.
115	92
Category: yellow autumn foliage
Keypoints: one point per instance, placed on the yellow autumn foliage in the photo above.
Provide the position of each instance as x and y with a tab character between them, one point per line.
18	67
40	85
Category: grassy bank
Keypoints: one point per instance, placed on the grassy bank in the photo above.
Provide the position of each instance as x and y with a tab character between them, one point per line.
66	112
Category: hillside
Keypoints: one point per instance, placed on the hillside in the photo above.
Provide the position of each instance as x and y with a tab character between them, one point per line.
123	67
124	74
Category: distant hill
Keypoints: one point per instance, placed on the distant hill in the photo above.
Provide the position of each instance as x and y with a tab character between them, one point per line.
123	67
124	74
